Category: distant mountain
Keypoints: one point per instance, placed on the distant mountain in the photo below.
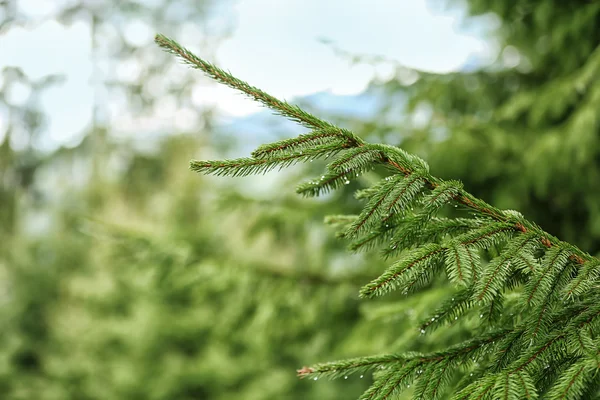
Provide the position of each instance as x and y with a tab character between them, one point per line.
264	126
362	105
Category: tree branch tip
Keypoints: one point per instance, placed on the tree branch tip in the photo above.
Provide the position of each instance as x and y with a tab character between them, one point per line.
304	371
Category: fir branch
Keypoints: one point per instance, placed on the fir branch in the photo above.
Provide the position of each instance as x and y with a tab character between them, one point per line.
470	349
459	263
513	244
586	279
431	385
374	208
373	238
328	182
534	354
351	366
508	349
514	386
397	158
546	297
487	236
292	112
319	137
432	370
581	343
443	194
479	390
554	261
356	158
499	269
400	274
420	229
572	384
391	381
403	195
249	166
449	311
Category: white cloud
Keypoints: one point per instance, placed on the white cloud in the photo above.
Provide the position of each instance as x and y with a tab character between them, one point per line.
231	102
275	46
52	48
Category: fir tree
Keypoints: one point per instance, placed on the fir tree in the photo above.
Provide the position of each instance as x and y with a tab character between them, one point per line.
527	297
520	131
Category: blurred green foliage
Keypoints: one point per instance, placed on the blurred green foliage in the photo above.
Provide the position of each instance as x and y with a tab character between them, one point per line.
123	275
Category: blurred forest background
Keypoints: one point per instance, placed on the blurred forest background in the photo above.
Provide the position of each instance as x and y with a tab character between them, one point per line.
125	276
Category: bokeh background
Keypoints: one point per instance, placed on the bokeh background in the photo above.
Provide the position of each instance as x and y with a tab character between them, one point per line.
123	275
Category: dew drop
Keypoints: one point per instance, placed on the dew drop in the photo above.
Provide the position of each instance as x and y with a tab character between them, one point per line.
315	378
480	315
407	386
432	319
346	377
361	376
422	331
471	374
455	318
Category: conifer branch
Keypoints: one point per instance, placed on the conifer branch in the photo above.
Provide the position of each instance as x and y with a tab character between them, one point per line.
319	137
397	158
402	273
503	262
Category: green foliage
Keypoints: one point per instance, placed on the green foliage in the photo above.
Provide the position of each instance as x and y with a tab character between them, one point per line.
509	273
136	301
520	130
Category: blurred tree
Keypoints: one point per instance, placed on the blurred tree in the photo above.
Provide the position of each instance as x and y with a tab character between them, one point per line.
117	270
520	132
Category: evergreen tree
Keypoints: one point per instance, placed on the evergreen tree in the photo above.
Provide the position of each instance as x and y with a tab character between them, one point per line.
524	300
521	131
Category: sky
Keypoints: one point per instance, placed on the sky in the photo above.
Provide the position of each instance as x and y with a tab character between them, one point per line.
276	45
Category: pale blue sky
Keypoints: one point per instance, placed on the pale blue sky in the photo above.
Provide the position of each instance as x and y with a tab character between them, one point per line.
275	46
